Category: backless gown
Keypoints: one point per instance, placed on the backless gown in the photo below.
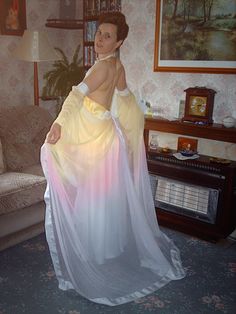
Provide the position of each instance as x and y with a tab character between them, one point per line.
101	225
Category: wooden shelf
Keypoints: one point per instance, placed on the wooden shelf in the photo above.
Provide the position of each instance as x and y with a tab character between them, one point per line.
48	98
91	18
88	43
65	24
214	132
202	172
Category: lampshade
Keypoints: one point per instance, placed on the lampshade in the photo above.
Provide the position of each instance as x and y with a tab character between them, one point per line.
35	46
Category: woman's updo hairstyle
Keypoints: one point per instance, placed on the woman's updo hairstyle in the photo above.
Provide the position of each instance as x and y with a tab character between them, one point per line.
118	19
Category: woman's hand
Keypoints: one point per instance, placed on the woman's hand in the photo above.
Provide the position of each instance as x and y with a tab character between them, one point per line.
54	134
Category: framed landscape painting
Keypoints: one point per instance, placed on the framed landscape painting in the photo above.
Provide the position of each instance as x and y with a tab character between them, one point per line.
195	36
12	17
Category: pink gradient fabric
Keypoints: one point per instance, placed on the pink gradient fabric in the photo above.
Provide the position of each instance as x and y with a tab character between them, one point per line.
101	225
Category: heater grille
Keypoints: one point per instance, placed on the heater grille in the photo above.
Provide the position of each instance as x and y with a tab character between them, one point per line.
186	199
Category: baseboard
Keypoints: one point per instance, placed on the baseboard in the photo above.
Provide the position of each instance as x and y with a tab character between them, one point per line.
20	236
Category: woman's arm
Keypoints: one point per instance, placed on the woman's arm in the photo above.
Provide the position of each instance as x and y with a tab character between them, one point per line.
121	83
54	134
69	106
90	84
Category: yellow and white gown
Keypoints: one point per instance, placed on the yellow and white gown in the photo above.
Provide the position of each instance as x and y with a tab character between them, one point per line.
101	226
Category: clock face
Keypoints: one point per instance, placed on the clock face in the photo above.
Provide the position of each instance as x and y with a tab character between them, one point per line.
197	105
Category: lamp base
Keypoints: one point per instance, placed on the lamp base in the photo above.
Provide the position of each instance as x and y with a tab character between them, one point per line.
36	84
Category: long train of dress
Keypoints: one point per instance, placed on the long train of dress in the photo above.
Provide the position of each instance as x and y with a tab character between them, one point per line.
101	226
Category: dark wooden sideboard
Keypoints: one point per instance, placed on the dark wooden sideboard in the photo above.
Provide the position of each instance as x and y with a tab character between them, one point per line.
213	132
201	172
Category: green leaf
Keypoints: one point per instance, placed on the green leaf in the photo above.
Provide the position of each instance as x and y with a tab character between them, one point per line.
63	75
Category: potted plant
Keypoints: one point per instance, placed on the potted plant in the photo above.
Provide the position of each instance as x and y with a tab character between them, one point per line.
63	75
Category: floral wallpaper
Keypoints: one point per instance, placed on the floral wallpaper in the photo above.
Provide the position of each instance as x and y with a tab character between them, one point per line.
163	90
16	76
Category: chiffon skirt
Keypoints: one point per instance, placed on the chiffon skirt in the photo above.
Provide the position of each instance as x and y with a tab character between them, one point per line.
101	226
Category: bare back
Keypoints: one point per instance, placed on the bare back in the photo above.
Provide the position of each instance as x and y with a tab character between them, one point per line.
108	74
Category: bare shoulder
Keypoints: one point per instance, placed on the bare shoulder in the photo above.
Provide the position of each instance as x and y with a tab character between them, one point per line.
120	65
101	67
98	72
97	76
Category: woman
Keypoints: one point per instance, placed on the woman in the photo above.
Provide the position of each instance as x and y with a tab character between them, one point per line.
100	220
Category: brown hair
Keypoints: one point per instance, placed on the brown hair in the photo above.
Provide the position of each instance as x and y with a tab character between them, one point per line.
118	19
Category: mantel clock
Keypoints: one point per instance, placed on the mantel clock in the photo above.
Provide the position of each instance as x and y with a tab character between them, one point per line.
199	105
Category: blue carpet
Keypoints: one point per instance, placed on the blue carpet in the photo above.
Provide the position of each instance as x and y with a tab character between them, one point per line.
28	284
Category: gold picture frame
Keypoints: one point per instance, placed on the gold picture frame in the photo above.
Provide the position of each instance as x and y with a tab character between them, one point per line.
184	41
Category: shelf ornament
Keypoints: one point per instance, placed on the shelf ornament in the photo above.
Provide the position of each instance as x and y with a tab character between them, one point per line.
199	105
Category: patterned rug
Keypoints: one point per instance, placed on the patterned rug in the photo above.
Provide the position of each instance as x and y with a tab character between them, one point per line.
28	283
